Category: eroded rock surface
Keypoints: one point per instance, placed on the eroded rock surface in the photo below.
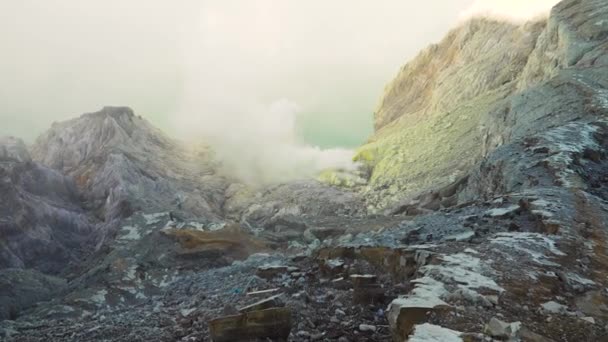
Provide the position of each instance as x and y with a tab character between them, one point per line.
43	224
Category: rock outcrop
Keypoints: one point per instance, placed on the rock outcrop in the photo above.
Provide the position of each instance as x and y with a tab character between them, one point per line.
123	165
43	224
486	84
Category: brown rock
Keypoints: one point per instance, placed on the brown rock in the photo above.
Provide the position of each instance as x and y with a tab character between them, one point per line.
405	313
274	324
366	289
400	263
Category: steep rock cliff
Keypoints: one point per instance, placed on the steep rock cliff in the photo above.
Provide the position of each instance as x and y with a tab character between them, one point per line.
486	83
43	224
123	164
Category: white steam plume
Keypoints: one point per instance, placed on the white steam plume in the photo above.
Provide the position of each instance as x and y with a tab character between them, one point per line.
514	10
228	58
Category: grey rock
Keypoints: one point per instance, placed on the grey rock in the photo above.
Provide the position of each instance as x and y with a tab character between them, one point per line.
43	222
500	329
124	164
13	149
367	328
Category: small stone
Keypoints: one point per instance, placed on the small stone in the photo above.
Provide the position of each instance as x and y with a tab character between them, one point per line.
303	334
554	307
317	337
493	299
500	329
340	313
367	328
589	319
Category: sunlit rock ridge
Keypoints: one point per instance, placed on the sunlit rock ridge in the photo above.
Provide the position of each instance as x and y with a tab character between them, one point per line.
478	213
487	83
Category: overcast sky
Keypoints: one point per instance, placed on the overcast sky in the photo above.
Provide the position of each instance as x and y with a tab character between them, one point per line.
202	68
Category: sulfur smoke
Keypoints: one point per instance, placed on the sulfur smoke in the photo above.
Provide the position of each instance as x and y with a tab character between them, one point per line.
246	76
251	70
514	10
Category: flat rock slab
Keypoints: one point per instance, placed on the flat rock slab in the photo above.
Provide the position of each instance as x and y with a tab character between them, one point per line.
270	302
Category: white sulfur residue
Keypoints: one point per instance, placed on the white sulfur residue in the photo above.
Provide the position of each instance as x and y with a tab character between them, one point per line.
554	307
132	233
540	203
466	235
187	312
498	212
434	333
564	142
153	218
535	238
167	279
197	226
99	297
602	95
129	289
581	280
533	244
426	294
130	273
464	269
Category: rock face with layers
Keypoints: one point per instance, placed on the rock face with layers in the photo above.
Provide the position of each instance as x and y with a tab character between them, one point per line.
483	86
123	164
43	224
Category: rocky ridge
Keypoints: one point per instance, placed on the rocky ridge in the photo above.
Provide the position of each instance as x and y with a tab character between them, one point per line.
471	98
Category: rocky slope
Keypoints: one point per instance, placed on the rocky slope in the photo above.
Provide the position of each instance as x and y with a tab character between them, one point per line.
488	164
43	224
107	196
486	84
123	164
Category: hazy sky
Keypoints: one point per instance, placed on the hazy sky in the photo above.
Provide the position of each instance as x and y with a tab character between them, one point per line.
61	58
305	72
